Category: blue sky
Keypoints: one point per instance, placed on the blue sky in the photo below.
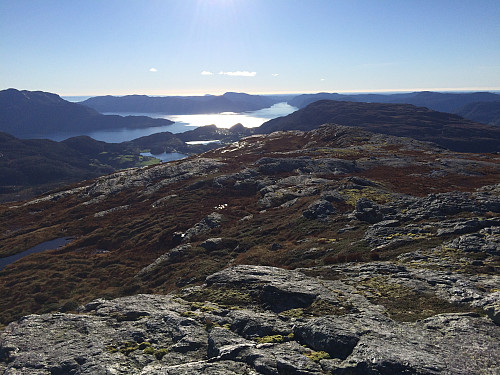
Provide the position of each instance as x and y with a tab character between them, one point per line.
180	47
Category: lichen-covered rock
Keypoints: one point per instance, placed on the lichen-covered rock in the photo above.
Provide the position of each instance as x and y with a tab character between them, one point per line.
493	311
330	335
269	165
278	289
485	241
224	344
319	209
293	325
154	178
368	211
209	222
162	260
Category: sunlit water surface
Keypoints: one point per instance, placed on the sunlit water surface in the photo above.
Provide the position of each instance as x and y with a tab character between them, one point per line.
182	123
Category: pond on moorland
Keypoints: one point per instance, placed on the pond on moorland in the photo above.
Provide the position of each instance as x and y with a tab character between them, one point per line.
47	245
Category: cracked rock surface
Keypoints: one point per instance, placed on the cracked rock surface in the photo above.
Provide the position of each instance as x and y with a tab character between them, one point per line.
265	320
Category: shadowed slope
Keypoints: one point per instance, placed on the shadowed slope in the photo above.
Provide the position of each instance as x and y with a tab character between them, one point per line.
447	130
32	114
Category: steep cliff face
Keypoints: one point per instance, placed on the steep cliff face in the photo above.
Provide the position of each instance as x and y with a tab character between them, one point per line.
330	251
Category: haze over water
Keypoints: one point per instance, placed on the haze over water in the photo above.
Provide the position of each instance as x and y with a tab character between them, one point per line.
183	123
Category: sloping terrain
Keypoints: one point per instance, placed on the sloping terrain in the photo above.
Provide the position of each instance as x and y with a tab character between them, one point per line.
31	167
485	112
329	251
30	114
404	120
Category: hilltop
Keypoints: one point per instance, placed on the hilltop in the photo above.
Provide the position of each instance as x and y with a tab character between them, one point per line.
334	250
445	129
485	104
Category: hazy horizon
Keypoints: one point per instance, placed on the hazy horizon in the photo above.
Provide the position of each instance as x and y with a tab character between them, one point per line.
387	92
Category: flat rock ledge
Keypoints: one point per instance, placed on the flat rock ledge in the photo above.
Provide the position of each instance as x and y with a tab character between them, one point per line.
265	320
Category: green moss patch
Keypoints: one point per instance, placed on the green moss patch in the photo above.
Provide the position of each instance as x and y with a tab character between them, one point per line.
375	195
274	339
129	347
404	304
317	356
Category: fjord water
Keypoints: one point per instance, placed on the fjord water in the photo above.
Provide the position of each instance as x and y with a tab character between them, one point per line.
183	123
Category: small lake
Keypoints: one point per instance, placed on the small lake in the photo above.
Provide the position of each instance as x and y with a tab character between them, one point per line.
182	123
47	245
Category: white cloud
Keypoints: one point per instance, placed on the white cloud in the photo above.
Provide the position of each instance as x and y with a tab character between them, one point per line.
239	73
206	73
275	74
322	79
154	70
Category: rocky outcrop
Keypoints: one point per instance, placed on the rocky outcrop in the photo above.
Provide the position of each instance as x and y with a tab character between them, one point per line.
163	260
152	179
209	222
256	319
285	191
319	209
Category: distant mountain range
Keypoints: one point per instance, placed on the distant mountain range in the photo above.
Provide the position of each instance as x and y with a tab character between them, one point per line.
486	105
30	114
482	107
29	167
229	102
34	114
403	120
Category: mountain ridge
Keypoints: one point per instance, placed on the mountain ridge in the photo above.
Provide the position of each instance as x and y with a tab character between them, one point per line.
484	112
485	107
228	102
445	129
438	101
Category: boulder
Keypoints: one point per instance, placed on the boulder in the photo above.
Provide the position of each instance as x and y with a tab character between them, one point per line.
368	211
319	209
